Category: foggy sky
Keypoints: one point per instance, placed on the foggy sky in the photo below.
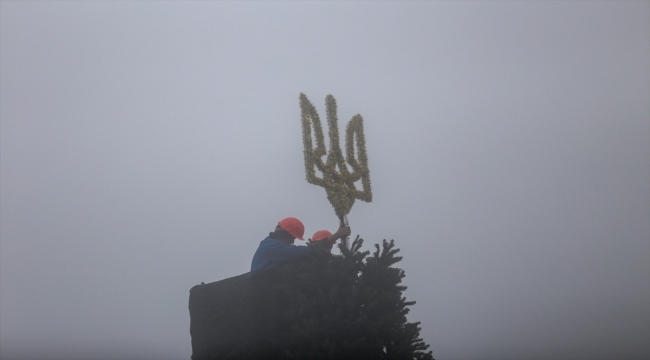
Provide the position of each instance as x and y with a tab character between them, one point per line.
146	147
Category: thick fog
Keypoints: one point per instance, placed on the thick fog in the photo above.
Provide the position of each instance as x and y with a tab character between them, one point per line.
147	147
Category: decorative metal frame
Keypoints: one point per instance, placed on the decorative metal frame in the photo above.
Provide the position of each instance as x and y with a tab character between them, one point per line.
337	180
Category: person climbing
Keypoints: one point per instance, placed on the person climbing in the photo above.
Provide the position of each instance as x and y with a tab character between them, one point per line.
278	248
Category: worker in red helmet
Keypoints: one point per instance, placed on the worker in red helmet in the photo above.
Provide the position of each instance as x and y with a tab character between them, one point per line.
278	247
324	235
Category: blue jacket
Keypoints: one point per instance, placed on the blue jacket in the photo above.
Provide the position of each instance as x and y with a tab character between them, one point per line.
272	253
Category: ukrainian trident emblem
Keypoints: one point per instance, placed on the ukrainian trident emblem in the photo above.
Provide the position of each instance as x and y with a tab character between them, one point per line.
337	179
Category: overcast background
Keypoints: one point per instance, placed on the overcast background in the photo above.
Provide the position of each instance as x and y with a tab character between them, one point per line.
147	147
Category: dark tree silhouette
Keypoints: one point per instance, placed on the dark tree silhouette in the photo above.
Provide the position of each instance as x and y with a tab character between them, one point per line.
348	308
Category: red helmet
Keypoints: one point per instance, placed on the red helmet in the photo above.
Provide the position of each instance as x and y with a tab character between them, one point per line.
293	226
320	235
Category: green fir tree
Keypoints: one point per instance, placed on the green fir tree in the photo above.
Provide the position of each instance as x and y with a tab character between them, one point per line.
347	308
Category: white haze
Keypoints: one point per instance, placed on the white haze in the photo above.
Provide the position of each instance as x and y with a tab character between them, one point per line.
147	147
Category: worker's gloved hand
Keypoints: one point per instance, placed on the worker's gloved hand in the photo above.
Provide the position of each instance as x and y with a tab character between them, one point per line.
342	232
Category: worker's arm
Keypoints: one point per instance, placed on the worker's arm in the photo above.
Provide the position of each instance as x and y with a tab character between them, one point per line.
282	252
272	253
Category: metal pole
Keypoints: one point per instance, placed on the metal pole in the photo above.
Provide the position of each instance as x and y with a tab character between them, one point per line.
346	240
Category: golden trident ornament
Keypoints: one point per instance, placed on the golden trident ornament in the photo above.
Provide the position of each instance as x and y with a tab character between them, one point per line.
337	180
